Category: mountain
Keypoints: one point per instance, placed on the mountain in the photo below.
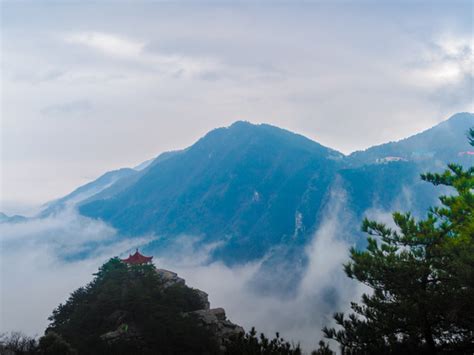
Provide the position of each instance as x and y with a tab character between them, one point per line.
11	219
248	185
446	142
251	191
139	309
387	187
387	176
87	191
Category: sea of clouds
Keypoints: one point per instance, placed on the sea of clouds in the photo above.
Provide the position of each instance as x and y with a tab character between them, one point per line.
44	260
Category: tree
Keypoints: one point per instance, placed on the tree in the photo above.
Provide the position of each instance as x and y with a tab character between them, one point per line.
251	344
17	343
421	274
53	344
126	309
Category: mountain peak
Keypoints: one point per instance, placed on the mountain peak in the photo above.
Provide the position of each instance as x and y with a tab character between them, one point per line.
242	123
461	119
268	134
441	141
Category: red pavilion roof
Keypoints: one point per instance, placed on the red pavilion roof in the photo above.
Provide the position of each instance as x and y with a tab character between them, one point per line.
137	258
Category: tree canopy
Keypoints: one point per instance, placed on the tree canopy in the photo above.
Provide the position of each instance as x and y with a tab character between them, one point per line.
421	276
127	310
252	344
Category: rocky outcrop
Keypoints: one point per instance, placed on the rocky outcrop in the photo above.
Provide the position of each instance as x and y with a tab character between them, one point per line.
123	332
204	297
169	278
216	321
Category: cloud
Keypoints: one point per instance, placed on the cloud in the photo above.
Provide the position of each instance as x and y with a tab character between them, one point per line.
77	107
160	76
445	61
324	288
107	43
40	265
120	47
43	260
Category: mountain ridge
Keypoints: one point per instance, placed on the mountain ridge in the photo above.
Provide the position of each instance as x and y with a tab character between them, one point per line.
252	188
463	116
435	140
222	181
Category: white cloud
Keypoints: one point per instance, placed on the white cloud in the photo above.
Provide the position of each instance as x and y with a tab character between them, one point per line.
107	43
120	47
35	277
324	288
159	76
456	46
40	265
447	61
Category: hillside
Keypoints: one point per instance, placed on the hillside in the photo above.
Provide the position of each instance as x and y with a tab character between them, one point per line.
89	191
249	189
445	142
245	184
139	309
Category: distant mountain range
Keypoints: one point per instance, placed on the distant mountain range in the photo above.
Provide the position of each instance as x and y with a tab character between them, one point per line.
11	219
255	190
443	143
247	185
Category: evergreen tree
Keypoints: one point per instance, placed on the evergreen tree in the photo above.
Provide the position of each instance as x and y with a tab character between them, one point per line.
251	344
53	344
127	310
422	278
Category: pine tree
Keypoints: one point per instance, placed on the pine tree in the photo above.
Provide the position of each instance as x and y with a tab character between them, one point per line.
251	344
131	301
421	274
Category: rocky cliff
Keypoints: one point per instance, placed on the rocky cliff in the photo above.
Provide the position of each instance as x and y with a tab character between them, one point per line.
213	320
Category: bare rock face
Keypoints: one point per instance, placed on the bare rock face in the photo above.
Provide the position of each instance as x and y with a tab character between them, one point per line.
123	332
216	321
204	297
169	278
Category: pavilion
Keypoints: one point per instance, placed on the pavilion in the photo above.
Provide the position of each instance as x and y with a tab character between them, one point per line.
137	259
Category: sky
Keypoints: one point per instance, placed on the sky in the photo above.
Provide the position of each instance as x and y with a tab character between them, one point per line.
92	86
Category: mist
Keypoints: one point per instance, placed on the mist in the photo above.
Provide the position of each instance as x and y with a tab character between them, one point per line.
41	265
44	260
323	290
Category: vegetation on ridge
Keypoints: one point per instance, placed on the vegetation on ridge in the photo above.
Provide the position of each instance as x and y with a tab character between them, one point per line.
131	300
421	274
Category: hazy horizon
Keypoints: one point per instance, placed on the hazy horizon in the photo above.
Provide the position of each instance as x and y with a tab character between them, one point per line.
274	228
90	87
31	209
